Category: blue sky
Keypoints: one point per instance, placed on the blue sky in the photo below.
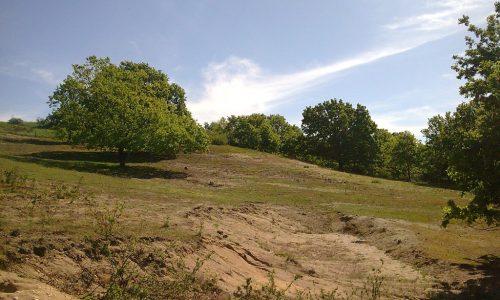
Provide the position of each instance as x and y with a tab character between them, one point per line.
240	57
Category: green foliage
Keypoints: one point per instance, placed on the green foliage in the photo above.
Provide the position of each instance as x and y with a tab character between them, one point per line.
404	155
12	179
27	129
217	132
385	143
435	152
15	121
107	220
337	131
127	108
472	132
257	131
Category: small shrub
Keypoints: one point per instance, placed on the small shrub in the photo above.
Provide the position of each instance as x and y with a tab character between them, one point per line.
267	291
166	223
13	180
218	139
107	220
15	121
128	282
69	192
373	285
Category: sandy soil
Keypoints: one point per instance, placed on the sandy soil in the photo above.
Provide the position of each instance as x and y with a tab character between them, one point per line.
252	241
13	287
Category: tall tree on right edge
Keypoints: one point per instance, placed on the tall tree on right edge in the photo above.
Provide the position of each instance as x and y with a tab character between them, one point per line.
473	130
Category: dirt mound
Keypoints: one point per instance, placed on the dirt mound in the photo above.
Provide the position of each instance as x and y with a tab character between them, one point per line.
252	241
325	251
14	287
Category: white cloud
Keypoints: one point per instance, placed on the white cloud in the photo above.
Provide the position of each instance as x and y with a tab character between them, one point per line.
442	16
241	86
407	119
45	76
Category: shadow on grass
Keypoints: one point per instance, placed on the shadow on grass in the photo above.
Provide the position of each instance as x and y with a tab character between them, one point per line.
442	185
33	141
103	168
96	156
487	287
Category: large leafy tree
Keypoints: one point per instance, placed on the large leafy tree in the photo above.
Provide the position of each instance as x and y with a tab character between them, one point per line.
473	130
130	107
338	132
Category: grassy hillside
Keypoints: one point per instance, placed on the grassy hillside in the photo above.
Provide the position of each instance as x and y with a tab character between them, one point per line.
151	187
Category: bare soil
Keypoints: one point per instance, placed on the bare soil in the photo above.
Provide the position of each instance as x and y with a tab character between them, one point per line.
341	252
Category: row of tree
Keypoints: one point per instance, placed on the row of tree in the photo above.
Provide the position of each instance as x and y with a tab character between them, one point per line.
334	134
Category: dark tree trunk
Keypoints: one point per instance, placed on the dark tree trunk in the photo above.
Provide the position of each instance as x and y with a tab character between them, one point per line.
122	157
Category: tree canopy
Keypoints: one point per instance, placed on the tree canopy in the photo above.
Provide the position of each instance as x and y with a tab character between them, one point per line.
270	133
470	136
130	107
337	131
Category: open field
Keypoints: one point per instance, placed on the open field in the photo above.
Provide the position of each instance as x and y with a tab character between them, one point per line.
252	213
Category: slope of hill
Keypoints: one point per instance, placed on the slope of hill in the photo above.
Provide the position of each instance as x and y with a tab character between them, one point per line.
242	212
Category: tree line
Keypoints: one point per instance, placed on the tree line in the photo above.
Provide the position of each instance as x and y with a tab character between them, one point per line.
333	134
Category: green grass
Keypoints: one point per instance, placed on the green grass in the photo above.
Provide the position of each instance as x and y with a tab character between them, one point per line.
244	176
237	176
26	129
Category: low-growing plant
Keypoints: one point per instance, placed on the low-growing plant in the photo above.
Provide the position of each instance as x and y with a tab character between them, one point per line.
372	288
128	281
107	220
166	222
70	192
268	291
13	180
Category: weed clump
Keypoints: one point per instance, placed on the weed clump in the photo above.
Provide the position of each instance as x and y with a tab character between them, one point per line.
13	180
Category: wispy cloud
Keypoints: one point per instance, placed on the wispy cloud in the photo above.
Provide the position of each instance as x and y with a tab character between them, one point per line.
29	71
241	86
45	75
441	16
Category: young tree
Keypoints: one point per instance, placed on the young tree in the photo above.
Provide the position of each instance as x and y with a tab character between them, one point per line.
473	131
404	155
435	151
129	107
242	132
292	141
385	143
217	131
363	147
